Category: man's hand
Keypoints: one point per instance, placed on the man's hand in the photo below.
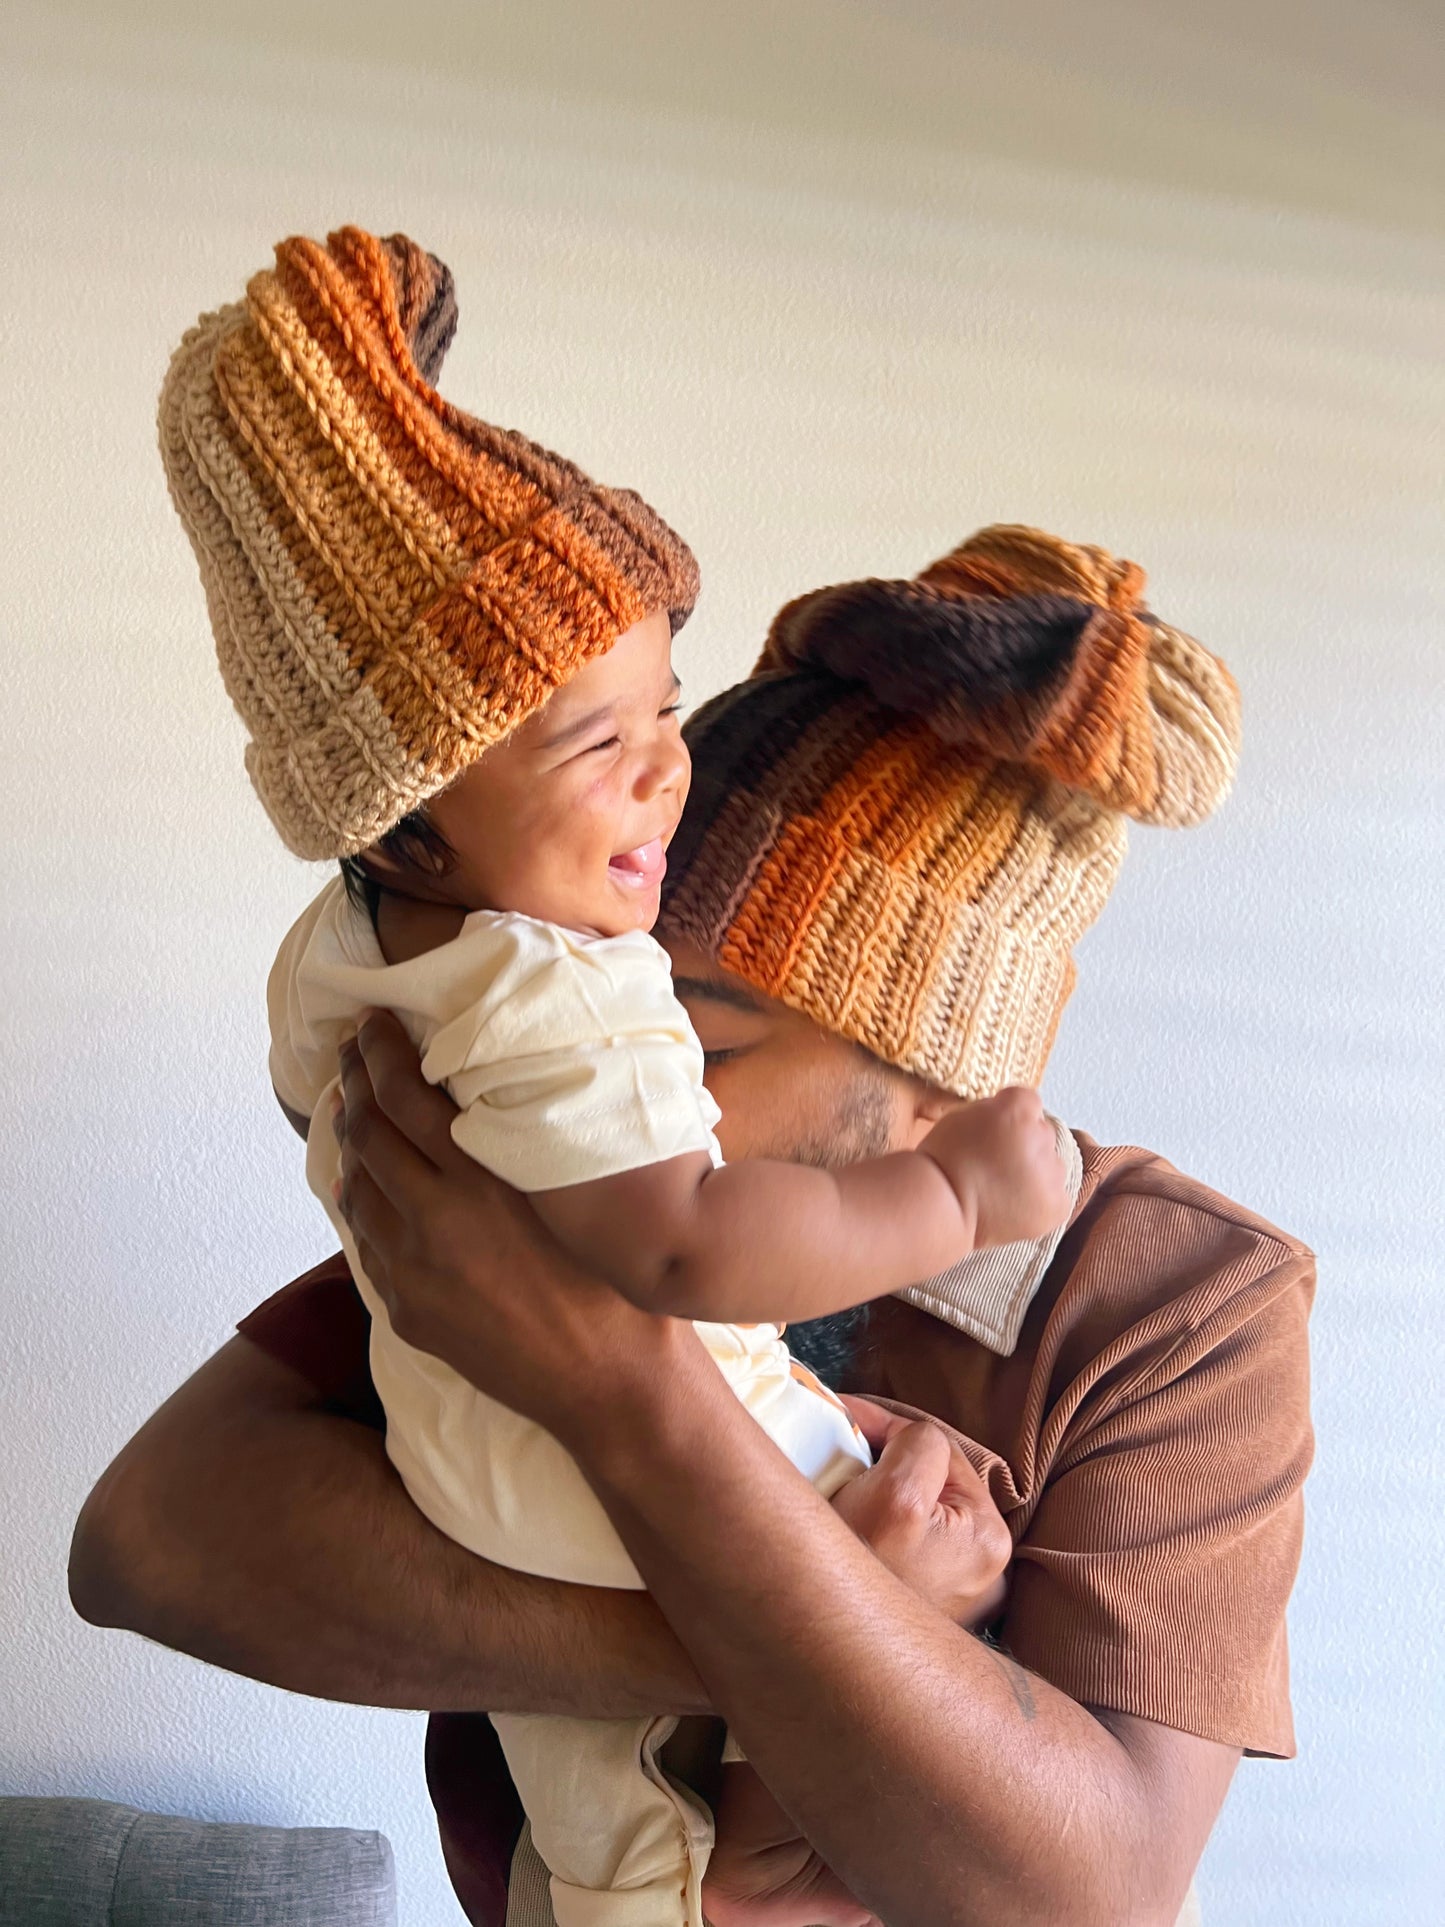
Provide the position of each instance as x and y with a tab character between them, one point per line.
927	1515
1001	1157
463	1265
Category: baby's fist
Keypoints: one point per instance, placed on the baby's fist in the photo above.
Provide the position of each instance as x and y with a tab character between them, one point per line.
1001	1156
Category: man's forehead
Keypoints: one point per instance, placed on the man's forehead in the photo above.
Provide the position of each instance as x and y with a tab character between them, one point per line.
698	979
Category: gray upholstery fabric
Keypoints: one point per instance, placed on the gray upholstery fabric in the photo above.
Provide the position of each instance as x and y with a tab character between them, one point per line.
87	1863
58	1861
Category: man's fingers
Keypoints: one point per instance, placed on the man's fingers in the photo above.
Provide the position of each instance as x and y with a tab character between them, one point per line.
915	1464
877	1424
964	1483
902	1488
370	1141
417	1109
375	1223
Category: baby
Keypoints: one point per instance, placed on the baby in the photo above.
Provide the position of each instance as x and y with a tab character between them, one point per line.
454	655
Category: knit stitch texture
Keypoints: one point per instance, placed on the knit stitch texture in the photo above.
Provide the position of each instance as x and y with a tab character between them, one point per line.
905	821
393	585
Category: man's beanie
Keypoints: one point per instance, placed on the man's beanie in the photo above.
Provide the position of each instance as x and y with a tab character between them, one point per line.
906	819
393	585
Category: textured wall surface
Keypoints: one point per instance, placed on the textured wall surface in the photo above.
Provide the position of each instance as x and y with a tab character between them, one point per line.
832	285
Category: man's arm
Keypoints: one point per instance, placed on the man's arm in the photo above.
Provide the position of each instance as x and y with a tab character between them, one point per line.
940	1781
250	1526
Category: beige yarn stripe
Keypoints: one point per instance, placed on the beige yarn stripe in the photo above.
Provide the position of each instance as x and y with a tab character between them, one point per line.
283	434
374	617
254	564
213	488
245	613
371	731
1065	865
1062	866
991	1028
943	1018
983	1015
202	516
260	571
1196	709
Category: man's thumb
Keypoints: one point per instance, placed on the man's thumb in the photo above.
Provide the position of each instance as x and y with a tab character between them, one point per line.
914	1465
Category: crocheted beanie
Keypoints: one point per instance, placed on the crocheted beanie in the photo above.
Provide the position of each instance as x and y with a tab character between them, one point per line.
393	585
907	818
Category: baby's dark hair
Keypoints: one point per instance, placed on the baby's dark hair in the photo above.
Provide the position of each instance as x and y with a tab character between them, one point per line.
415	843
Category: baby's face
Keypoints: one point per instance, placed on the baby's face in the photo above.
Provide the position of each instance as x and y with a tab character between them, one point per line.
568	819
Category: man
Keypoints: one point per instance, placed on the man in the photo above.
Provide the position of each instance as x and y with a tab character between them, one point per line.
895	837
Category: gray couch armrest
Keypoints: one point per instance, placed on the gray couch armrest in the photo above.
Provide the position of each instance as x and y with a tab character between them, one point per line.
89	1863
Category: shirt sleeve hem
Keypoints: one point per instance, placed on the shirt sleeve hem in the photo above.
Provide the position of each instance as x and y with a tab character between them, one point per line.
1261	1736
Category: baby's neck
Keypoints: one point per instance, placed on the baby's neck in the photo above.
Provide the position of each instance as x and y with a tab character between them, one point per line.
406	927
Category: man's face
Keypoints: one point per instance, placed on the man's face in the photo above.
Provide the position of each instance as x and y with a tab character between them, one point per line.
787	1088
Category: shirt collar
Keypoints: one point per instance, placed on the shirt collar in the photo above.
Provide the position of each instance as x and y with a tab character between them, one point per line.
988	1294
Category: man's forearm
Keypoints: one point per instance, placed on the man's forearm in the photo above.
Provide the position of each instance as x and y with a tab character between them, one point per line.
247	1530
942	1783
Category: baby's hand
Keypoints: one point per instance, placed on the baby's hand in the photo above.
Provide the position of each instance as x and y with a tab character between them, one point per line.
1001	1157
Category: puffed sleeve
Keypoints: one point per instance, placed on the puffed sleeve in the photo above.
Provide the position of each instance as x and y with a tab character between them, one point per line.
320	978
571	1058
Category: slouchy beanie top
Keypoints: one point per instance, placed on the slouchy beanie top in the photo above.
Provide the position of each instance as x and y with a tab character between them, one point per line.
903	823
393	585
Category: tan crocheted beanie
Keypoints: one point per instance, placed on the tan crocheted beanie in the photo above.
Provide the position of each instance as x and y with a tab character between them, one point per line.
393	585
907	818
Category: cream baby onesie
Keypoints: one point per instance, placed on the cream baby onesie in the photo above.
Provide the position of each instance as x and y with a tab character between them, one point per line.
571	1059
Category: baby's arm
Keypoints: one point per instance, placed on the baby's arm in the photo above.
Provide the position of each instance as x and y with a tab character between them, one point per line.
763	1241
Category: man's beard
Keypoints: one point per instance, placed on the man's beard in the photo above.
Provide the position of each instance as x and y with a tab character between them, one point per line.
834	1345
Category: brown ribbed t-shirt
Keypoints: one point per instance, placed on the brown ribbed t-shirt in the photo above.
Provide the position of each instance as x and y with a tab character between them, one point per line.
1146	1440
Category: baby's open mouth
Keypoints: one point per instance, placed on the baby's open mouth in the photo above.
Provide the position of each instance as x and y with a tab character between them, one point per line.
640	869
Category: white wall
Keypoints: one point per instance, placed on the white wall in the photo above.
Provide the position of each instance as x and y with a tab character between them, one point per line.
832	285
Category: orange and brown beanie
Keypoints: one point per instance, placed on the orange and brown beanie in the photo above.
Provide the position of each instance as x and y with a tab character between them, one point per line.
905	820
393	585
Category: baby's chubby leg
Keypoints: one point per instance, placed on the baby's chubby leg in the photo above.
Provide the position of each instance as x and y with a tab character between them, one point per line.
625	1845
